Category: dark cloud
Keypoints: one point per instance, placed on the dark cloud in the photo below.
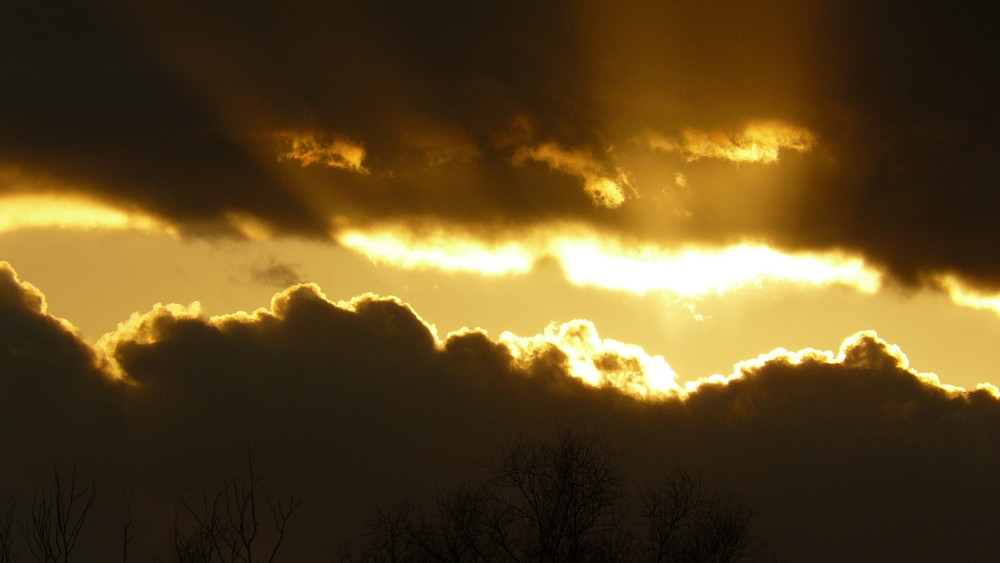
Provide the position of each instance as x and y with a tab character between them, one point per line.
845	457
184	110
46	371
276	274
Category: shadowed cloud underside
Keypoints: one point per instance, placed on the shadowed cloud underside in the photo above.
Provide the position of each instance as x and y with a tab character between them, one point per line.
802	128
369	381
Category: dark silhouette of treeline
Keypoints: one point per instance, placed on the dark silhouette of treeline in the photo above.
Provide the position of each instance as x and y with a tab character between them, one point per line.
565	499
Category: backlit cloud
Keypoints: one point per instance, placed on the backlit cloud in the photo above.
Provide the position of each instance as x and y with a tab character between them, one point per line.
591	259
963	295
863	154
693	272
334	397
671	151
440	251
326	150
35	211
598	361
757	142
603	190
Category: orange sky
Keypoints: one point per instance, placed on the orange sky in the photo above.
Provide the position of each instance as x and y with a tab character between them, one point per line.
664	201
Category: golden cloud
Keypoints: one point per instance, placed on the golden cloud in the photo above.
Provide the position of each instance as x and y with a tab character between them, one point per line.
759	142
590	258
601	262
863	350
440	250
26	211
326	150
602	189
966	296
599	361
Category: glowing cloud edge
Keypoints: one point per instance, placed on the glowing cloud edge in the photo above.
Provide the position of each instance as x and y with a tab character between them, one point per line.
591	259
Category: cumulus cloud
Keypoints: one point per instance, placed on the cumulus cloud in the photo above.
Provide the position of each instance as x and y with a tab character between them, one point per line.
597	361
357	403
55	402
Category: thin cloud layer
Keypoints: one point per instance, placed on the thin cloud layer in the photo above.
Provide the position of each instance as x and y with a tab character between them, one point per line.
359	403
593	258
817	126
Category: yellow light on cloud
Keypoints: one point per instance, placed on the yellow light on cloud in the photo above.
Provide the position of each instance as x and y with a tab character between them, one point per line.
601	189
695	272
759	142
967	297
600	362
71	212
330	151
440	251
590	259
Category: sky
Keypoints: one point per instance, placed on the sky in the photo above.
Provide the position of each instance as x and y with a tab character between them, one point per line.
372	240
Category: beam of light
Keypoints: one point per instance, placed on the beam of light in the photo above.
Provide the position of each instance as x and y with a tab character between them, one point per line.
759	142
965	296
326	150
602	189
439	251
589	259
71	212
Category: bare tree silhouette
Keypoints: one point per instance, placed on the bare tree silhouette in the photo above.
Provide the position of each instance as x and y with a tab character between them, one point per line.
226	527
685	521
6	528
57	516
561	501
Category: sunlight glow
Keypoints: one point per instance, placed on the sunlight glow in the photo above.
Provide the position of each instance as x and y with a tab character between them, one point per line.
439	251
590	259
758	142
694	272
71	212
141	328
602	189
967	297
599	361
327	150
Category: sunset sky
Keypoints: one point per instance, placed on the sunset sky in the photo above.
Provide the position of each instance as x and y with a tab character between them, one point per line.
366	238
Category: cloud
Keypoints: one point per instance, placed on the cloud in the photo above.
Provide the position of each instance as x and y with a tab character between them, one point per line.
592	258
757	142
63	212
967	296
54	400
358	403
176	123
599	362
329	151
276	274
440	250
602	190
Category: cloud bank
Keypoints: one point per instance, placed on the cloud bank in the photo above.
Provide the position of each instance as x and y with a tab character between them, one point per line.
852	455
816	126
